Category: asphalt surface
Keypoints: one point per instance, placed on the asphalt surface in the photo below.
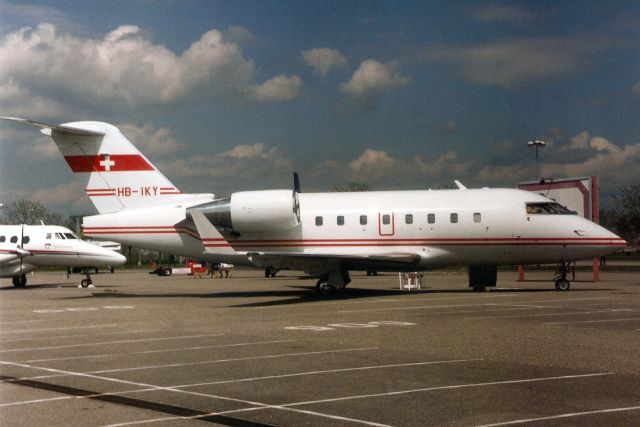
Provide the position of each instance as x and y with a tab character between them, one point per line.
148	350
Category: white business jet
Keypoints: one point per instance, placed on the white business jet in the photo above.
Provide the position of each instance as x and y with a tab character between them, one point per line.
325	234
24	248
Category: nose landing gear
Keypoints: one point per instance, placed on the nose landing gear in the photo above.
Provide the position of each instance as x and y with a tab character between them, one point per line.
85	283
561	281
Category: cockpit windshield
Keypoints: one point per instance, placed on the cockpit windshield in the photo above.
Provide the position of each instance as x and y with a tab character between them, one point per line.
550	208
70	236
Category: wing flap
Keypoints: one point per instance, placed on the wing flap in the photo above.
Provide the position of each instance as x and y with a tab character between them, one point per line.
327	262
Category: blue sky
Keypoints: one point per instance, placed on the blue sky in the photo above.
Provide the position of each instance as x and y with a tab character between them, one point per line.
235	95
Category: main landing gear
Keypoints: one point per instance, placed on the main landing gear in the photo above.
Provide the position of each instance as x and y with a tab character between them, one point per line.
20	281
561	281
333	282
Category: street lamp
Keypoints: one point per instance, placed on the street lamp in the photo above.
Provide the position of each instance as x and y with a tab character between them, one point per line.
537	143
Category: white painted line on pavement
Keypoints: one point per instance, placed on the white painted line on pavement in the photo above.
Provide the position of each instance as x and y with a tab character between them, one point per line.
559	416
239	359
20	331
626	319
201	347
13	350
548	314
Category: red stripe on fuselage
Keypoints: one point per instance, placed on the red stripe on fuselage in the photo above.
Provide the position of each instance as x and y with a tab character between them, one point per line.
111	163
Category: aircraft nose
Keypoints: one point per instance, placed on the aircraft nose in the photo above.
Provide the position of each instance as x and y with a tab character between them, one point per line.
609	239
118	259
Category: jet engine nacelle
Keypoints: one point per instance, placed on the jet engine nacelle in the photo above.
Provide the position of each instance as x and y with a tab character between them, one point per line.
255	211
268	210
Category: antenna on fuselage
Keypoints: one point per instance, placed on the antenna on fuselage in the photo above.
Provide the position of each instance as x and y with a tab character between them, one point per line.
296	190
460	185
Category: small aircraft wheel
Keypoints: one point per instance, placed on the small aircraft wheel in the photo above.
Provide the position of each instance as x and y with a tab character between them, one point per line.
167	272
19	281
85	283
325	288
562	285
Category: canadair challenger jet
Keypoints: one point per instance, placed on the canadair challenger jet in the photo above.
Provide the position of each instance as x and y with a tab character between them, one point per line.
324	234
24	248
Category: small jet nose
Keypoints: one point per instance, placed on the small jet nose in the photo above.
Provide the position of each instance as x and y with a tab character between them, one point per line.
118	259
609	239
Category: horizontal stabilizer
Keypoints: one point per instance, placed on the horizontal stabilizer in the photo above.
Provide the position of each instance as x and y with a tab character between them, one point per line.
212	240
66	130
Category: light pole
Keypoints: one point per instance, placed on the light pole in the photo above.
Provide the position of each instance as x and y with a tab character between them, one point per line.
537	143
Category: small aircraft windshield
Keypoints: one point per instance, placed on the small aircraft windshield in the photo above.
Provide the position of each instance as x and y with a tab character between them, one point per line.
548	209
70	236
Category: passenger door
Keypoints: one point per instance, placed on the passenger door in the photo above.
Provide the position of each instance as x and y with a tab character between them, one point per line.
386	224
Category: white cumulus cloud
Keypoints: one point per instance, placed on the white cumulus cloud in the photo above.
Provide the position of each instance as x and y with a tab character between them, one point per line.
371	80
246	151
372	164
279	88
513	63
127	67
323	59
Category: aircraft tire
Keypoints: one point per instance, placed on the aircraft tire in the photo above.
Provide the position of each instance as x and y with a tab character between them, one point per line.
325	288
563	285
85	283
19	281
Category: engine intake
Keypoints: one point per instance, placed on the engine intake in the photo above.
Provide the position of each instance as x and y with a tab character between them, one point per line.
254	211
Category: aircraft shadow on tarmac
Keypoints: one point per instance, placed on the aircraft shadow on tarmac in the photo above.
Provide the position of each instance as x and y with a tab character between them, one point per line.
304	294
64	285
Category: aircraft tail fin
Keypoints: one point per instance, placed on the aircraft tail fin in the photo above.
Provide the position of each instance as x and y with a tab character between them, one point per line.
118	175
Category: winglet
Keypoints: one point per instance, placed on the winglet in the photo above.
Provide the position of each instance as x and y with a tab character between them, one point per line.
46	128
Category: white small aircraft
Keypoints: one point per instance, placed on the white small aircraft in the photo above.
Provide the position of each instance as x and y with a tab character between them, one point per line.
324	234
24	248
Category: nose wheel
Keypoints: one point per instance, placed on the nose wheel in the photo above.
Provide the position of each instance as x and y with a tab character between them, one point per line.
562	284
561	281
85	283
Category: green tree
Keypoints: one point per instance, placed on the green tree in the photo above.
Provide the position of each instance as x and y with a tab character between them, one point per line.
624	216
352	186
28	212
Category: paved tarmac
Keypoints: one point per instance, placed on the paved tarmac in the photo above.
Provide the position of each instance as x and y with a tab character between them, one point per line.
146	350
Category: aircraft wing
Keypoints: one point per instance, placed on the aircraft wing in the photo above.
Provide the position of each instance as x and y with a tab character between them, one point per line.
316	264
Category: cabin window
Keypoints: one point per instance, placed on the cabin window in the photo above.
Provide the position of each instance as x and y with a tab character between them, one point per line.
453	218
408	219
477	217
48	236
431	218
2	239
548	209
318	221
59	236
363	220
386	219
25	240
14	239
70	236
340	220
